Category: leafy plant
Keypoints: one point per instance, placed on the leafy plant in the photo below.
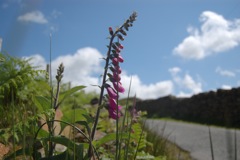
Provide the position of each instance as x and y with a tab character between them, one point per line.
106	131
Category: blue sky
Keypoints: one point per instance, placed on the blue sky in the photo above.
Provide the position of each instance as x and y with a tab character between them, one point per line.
178	47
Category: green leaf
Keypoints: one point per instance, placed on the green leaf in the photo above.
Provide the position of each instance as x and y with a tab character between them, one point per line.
42	103
85	124
20	152
61	156
68	93
73	115
143	155
76	148
108	138
42	133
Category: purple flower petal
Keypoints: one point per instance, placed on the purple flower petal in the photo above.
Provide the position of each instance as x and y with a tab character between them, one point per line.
113	112
111	92
116	76
118	87
112	103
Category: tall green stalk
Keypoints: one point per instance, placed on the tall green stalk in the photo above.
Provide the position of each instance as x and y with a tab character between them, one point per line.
13	124
125	25
139	141
113	50
124	119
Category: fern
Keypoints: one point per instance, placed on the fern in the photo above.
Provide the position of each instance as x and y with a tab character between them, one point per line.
19	81
15	74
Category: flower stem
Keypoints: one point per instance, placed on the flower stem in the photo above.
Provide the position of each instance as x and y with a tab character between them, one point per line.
102	88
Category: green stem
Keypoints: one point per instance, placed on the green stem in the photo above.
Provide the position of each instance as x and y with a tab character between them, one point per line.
13	114
124	118
139	141
102	88
117	134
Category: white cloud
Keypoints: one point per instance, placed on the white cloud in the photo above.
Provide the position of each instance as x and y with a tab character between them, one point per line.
215	35
84	68
144	91
189	83
226	73
79	68
174	70
186	84
37	61
226	87
182	94
34	16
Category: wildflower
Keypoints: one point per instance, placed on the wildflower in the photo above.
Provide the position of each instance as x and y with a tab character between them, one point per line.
133	111
116	77
118	87
116	69
117	60
119	45
115	57
120	58
111	92
112	109
113	113
112	103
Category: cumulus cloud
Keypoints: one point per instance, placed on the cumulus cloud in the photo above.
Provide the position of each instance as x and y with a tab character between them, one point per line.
84	68
189	83
34	16
79	68
216	35
37	61
225	73
186	84
226	87
143	91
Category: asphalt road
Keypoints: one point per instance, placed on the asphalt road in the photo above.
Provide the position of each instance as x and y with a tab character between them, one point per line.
195	139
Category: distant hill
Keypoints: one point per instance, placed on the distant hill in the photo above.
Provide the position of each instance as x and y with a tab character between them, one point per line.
214	108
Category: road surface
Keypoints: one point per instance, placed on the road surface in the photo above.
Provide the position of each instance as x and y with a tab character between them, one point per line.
195	139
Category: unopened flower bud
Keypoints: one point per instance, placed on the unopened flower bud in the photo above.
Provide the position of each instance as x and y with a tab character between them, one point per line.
119	45
110	31
120	37
123	32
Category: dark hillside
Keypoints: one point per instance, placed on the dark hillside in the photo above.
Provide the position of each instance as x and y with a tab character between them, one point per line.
218	108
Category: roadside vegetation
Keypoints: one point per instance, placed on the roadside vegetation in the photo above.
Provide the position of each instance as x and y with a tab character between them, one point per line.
43	118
